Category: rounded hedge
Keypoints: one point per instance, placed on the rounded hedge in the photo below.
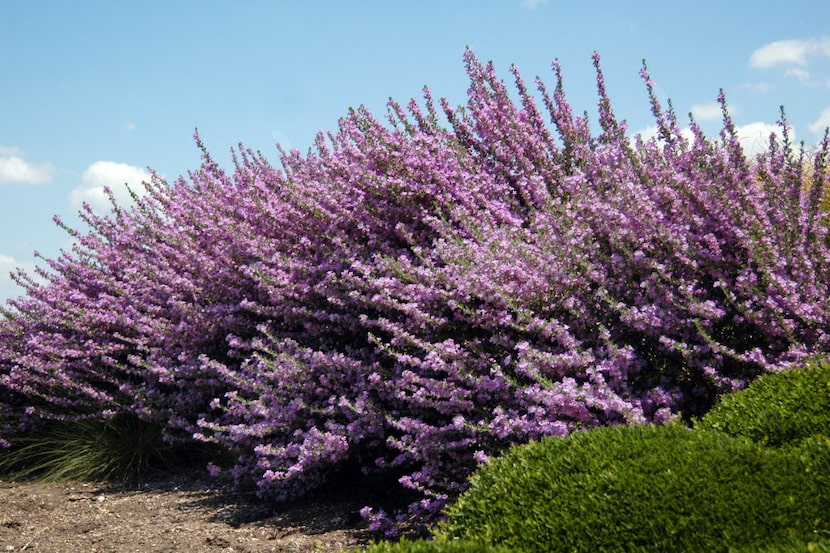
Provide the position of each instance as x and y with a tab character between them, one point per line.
815	544
777	409
812	544
645	488
437	546
787	408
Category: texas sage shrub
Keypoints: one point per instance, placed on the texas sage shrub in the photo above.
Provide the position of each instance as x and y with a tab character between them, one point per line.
411	297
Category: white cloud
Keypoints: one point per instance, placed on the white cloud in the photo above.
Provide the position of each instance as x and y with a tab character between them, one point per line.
759	87
8	288
786	52
7	264
650	132
790	53
533	4
801	74
112	175
707	112
754	137
822	122
14	169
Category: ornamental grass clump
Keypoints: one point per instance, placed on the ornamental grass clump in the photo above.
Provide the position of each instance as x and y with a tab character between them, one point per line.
121	448
82	450
412	297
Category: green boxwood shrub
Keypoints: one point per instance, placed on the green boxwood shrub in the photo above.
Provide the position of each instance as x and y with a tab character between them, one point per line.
816	544
645	488
778	409
437	546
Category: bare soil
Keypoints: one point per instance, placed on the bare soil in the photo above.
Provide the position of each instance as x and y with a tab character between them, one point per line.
187	514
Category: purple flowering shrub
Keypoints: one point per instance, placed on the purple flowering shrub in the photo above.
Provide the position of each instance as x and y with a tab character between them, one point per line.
413	297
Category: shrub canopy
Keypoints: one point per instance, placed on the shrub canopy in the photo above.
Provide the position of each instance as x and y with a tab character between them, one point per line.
411	298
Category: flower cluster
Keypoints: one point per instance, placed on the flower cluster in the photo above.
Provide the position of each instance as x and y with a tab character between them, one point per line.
413	296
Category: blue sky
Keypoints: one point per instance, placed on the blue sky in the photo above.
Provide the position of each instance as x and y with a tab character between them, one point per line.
94	92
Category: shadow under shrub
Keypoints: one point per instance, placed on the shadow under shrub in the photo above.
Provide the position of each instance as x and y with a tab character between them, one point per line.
778	409
643	488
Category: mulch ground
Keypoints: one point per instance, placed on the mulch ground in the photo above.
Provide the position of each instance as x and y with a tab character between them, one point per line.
173	514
